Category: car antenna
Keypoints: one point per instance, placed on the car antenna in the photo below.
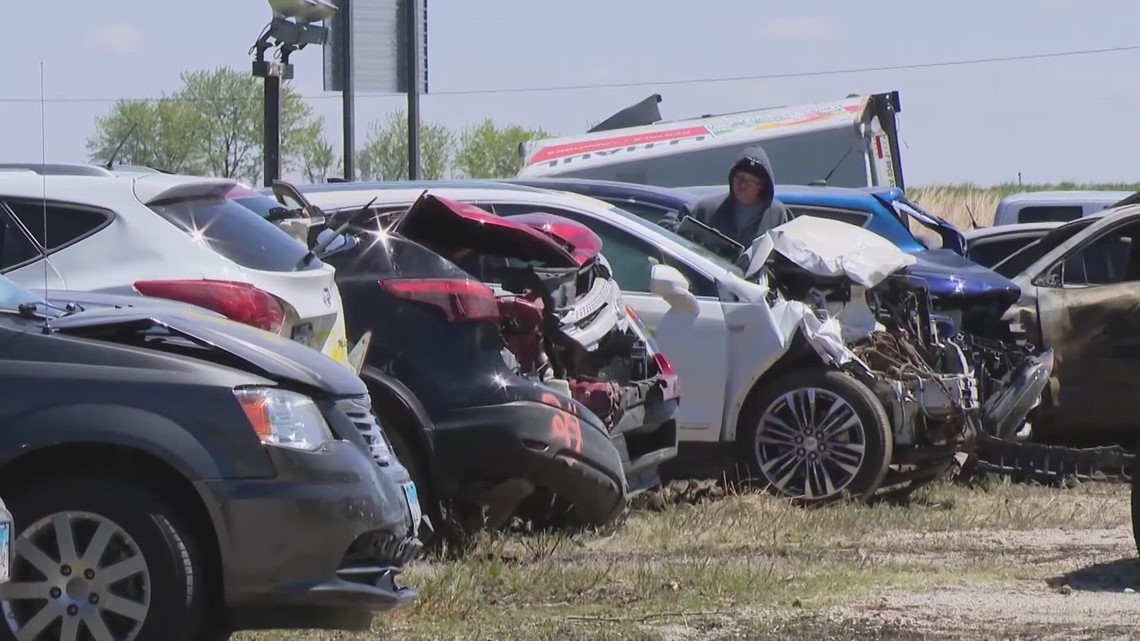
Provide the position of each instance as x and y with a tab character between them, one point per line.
43	188
119	147
973	221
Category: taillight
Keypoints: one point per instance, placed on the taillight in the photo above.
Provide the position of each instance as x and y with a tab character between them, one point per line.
460	300
239	302
663	365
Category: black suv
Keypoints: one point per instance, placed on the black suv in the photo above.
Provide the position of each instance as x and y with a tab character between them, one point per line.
514	378
172	473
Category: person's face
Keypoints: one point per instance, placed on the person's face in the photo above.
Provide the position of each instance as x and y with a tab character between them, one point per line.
747	187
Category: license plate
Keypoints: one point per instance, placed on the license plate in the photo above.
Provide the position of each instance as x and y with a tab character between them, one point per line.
304	334
412	496
5	551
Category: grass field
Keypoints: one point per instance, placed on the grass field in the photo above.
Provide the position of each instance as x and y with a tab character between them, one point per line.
1002	559
956	203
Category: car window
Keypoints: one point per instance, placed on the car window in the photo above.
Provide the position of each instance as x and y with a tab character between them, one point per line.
15	247
236	232
631	259
851	217
65	224
1049	213
12	295
1110	259
652	213
990	253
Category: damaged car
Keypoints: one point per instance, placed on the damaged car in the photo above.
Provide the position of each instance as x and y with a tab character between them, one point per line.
1080	298
866	393
169	470
500	352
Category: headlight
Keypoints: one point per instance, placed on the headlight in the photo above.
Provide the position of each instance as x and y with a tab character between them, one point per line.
284	418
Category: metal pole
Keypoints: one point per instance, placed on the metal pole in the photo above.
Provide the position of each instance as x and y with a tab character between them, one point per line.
272	152
347	97
413	66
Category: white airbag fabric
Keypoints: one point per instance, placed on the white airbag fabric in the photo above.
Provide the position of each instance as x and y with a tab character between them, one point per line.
832	248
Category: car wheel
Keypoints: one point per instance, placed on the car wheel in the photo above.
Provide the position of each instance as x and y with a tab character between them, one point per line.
816	436
100	558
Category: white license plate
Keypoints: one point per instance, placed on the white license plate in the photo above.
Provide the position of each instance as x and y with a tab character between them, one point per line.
412	496
5	551
304	334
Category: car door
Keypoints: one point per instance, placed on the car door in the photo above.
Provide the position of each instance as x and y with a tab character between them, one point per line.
697	345
1088	305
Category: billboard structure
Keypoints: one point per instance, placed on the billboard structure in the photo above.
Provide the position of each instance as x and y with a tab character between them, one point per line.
379	39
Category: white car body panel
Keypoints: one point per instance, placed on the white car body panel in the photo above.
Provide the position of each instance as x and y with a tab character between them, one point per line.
138	244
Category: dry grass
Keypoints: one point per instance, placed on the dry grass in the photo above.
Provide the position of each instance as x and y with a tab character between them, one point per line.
961	204
745	566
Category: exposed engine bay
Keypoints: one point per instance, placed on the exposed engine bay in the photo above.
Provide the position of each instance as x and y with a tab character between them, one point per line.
943	389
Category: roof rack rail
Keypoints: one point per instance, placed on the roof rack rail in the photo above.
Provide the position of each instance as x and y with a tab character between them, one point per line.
58	169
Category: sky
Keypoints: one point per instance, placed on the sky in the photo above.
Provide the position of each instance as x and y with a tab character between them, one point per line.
1051	119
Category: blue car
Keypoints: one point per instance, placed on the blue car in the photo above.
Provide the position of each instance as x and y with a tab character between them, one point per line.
972	295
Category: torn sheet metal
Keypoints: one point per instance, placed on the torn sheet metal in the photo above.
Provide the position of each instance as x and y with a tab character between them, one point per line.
825	336
831	248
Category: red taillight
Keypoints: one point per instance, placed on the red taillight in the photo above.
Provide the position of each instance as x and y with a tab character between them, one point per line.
460	300
239	302
671	387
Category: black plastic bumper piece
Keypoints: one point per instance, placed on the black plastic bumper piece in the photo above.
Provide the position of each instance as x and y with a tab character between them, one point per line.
542	445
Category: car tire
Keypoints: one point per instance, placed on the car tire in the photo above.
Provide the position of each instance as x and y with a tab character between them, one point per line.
1136	502
147	546
849	458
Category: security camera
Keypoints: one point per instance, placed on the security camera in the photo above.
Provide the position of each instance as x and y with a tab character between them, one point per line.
303	11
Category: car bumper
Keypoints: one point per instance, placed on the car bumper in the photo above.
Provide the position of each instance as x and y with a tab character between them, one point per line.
499	454
319	546
646	437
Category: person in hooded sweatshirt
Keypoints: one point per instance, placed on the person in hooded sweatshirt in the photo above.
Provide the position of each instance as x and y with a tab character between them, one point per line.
750	209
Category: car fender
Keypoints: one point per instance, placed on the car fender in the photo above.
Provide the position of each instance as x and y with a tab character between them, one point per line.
131	427
386	391
799	353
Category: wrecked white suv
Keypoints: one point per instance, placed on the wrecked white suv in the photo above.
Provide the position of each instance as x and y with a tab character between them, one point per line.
838	381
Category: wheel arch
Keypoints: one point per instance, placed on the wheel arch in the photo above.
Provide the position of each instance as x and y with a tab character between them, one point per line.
90	458
392	399
799	354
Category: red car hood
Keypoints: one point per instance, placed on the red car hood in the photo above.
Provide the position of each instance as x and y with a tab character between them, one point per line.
551	240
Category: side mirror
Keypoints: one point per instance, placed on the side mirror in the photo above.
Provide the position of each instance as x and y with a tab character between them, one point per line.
669	283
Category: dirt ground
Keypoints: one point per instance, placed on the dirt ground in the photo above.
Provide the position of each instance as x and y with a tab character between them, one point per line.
1002	561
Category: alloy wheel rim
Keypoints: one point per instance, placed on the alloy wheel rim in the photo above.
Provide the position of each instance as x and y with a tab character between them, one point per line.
76	575
810	444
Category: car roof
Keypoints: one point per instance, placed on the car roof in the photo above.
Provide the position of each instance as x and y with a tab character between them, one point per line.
1068	195
612	188
391	193
338	195
1002	230
97	190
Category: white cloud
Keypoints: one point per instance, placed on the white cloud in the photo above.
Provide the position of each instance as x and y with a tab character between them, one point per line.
798	28
117	38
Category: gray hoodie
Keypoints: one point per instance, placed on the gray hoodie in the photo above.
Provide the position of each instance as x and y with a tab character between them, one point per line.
726	216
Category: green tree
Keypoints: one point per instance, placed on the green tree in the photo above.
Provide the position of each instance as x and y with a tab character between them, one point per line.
314	157
384	155
213	125
158	134
487	151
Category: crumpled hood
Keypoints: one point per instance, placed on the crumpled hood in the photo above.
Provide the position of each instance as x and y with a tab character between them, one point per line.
949	275
267	354
830	248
